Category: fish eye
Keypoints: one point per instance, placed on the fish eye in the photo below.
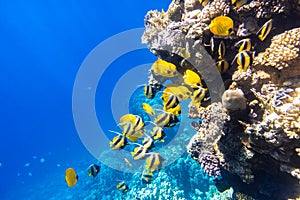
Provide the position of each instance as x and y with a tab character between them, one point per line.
180	96
168	71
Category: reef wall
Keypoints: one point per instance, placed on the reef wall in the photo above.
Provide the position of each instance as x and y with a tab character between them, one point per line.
254	132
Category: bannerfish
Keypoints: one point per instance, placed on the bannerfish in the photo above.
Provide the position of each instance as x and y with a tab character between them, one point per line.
222	66
164	68
221	26
149	91
121	186
71	177
221	50
169	100
137	126
198	95
147	176
148	109
158	133
139	152
244	44
118	142
175	111
191	78
148	142
93	170
244	59
163	119
264	30
153	162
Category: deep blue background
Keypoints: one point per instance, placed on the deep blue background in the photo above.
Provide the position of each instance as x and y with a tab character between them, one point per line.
42	45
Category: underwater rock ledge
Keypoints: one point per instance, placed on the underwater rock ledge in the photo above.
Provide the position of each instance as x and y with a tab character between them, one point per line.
259	141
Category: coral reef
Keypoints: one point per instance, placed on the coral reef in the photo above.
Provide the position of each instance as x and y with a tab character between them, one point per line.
256	131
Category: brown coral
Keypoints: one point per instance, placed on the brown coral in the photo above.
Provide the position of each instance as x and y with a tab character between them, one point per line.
283	52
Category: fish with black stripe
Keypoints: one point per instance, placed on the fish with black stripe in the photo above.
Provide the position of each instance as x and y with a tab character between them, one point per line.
147	176
158	133
118	142
153	162
264	31
121	186
244	45
221	50
244	59
139	152
149	91
222	66
93	170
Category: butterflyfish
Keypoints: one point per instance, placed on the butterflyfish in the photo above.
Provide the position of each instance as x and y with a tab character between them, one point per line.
153	162
222	66
238	3
180	91
148	109
139	152
149	91
264	30
148	142
191	78
147	176
244	59
71	177
121	186
127	162
118	142
93	170
244	45
221	50
158	133
164	68
221	26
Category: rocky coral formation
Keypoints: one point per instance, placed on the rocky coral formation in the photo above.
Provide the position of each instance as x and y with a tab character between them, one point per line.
263	134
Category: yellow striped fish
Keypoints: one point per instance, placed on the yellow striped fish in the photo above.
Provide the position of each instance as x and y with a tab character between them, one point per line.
244	59
244	45
149	91
147	176
264	30
158	133
153	162
139	152
198	95
121	186
221	50
222	66
118	142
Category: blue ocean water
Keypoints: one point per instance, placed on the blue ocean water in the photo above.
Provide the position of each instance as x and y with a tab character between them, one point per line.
43	44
